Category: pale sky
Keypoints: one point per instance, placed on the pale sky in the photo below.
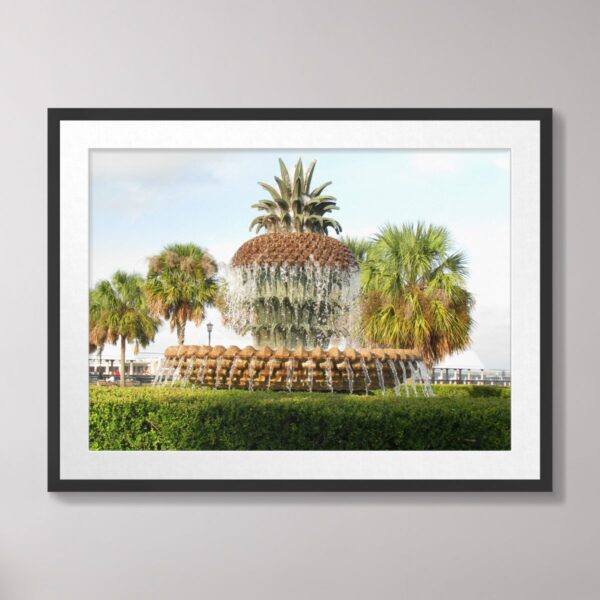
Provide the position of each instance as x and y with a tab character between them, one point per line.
142	200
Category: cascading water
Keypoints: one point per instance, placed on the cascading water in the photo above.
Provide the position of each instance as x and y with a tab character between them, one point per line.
271	364
292	289
251	374
177	373
310	376
367	377
350	375
188	371
174	366
329	374
379	368
166	374
404	382
289	374
427	389
321	370
159	372
291	305
202	371
392	367
232	369
413	378
218	372
419	377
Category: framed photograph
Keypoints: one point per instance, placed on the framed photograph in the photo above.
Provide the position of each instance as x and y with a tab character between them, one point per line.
300	299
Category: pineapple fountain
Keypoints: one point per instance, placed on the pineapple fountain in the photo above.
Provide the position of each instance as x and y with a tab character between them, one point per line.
293	289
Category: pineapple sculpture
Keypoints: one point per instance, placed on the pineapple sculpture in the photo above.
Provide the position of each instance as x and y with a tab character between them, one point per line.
293	286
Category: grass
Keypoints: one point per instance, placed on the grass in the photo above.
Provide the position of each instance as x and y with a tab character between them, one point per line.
460	417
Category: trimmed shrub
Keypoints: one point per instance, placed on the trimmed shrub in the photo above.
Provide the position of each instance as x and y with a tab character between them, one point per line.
195	419
444	390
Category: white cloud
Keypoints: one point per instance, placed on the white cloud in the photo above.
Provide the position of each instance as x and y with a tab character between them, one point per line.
433	162
223	250
502	161
487	247
142	164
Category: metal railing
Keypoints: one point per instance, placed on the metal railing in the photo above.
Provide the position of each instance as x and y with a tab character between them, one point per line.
500	377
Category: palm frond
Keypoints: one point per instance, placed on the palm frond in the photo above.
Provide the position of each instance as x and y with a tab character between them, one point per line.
414	292
185	282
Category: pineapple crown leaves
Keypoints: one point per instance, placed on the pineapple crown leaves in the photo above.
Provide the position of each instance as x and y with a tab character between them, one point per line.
293	206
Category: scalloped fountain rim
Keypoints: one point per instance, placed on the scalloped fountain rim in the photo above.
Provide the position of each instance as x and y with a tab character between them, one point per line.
349	370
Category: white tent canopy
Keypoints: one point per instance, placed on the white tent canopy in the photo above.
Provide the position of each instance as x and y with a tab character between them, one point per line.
461	360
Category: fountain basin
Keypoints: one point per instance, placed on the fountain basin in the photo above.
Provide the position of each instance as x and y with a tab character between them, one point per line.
348	370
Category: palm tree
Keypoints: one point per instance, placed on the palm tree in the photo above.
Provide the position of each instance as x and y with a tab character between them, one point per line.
293	206
413	283
181	283
118	313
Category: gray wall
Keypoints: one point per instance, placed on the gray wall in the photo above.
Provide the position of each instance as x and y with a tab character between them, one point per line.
274	53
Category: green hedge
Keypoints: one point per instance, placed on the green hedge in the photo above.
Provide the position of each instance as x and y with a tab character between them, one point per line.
192	419
470	391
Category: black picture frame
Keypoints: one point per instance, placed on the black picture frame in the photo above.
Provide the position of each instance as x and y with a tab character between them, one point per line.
58	115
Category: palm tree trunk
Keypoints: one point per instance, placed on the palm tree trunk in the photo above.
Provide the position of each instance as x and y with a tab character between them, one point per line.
181	333
123	343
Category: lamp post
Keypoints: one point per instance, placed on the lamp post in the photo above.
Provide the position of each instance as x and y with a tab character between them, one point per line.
209	327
